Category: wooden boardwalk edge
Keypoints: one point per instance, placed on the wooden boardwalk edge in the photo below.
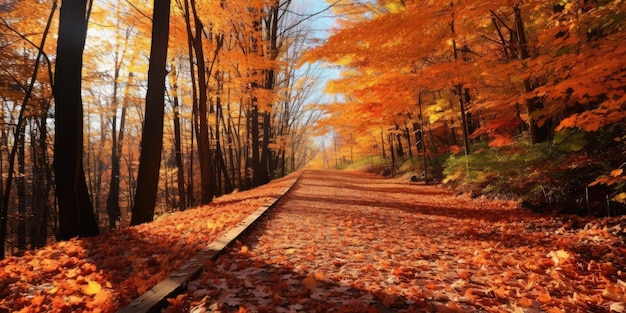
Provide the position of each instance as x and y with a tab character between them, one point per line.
155	299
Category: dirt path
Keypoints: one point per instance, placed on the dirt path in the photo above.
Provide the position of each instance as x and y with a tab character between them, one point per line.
350	242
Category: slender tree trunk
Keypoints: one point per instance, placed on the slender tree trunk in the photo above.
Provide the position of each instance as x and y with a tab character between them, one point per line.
407	136
399	149
152	136
393	155
76	217
190	179
6	187
270	82
180	168
222	171
382	145
254	134
265	151
113	206
421	138
459	91
207	183
113	198
21	193
41	183
194	106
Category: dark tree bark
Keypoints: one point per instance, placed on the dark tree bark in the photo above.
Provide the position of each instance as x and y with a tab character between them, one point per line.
180	177
200	107
399	148
459	92
271	24
21	193
42	182
6	188
113	198
152	135
220	163
76	217
535	105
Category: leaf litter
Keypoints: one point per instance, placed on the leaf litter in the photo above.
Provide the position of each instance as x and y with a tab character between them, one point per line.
106	272
353	242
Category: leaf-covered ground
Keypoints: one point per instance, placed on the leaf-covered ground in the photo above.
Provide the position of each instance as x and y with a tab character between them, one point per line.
347	242
104	273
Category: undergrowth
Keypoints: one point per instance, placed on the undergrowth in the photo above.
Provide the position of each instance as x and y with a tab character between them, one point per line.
371	164
544	178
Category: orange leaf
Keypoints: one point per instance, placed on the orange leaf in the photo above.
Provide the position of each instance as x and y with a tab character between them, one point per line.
464	275
544	297
38	300
311	282
242	310
431	286
525	302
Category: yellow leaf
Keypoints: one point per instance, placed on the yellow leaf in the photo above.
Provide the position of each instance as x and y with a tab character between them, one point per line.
395	7
91	288
617	172
621	197
559	256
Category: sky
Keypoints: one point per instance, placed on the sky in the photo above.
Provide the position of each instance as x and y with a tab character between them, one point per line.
321	25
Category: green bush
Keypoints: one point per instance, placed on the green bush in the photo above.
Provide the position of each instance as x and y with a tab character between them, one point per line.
500	170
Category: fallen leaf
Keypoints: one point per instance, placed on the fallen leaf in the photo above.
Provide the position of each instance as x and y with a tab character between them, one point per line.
91	288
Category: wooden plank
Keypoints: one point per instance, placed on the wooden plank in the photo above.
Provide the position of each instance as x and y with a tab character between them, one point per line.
156	298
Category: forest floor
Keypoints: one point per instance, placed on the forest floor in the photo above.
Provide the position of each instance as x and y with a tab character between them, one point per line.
340	242
354	242
106	272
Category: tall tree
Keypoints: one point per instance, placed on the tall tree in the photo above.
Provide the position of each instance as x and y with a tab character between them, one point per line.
152	136
180	174
200	94
76	217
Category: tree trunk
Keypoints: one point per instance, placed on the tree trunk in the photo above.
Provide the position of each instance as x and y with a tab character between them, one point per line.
113	203
6	188
21	193
459	92
41	183
180	168
202	135
254	134
399	149
407	136
534	106
76	217
152	135
220	163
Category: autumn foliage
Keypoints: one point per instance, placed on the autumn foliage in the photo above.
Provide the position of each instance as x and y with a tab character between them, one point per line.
234	113
433	74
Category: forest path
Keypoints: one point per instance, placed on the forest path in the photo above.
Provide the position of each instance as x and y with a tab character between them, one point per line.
354	242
